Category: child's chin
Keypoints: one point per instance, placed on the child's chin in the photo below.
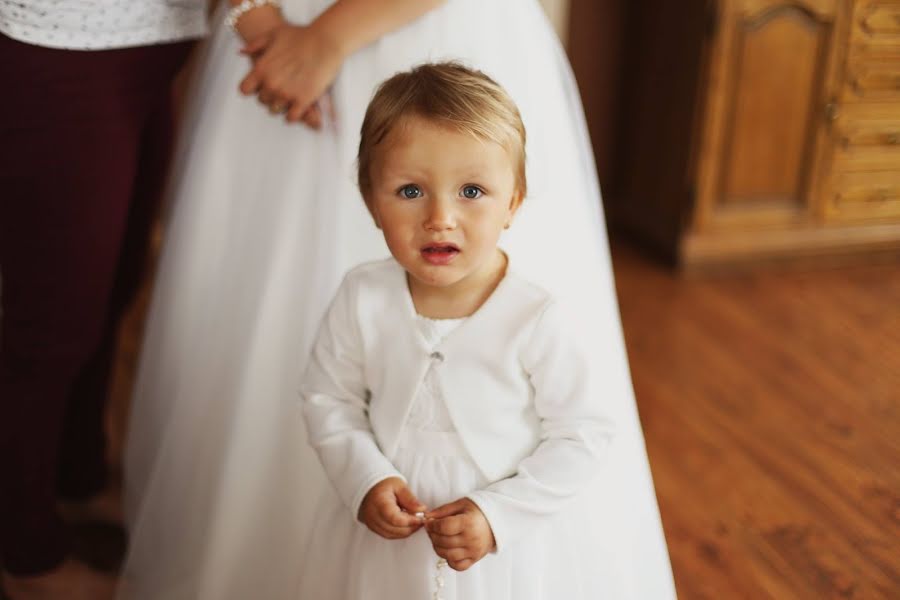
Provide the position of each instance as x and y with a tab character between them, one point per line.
436	276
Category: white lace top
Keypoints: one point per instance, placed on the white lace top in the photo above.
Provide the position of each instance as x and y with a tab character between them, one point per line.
102	24
429	409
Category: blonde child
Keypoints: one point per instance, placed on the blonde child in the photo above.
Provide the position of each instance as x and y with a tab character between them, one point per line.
453	409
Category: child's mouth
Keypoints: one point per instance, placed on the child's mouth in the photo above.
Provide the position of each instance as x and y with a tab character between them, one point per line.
439	254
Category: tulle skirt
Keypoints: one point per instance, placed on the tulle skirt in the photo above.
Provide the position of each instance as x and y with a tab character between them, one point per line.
265	218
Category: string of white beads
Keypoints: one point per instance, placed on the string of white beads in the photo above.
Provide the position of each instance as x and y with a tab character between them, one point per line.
439	579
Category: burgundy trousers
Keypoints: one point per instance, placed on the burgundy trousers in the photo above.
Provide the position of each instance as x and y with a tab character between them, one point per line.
84	144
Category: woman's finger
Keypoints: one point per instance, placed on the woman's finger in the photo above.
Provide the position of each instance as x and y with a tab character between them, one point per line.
256	46
313	119
265	97
277	102
251	83
327	107
299	107
278	106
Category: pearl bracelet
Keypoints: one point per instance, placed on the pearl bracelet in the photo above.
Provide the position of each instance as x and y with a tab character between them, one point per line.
245	6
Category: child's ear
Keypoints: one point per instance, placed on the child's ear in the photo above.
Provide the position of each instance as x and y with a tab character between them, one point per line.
515	202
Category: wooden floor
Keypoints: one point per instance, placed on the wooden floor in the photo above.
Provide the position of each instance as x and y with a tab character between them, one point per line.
771	408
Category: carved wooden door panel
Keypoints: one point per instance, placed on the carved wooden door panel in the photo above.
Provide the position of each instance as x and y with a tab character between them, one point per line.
773	78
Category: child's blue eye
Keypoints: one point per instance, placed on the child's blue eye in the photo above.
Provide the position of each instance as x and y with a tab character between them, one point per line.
472	192
410	191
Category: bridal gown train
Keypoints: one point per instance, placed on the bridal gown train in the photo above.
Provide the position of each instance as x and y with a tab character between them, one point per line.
264	220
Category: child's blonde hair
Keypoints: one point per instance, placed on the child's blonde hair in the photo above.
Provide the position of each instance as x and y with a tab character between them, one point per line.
449	94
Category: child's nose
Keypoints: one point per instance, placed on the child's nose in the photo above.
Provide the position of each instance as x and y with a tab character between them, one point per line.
440	215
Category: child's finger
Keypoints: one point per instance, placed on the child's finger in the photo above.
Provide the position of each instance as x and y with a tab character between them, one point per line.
447	510
447	541
453	554
454	525
408	501
403	532
461	565
402	519
389	531
390	514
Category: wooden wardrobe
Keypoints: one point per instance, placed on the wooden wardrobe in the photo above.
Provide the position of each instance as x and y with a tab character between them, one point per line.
751	130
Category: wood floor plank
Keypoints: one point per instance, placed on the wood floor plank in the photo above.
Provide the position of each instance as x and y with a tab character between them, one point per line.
770	408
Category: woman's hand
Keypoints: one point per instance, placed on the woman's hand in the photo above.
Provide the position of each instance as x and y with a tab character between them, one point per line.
389	509
258	22
293	66
460	533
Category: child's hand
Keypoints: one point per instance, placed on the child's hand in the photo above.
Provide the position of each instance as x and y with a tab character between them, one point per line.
389	509
293	66
460	533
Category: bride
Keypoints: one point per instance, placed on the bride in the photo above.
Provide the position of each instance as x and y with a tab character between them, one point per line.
264	221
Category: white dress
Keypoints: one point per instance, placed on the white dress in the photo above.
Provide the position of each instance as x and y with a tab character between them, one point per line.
556	560
265	220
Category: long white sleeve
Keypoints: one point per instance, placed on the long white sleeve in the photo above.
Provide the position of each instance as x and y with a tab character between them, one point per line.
335	405
575	433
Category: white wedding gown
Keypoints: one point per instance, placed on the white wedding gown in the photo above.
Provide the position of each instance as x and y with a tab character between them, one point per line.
264	221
